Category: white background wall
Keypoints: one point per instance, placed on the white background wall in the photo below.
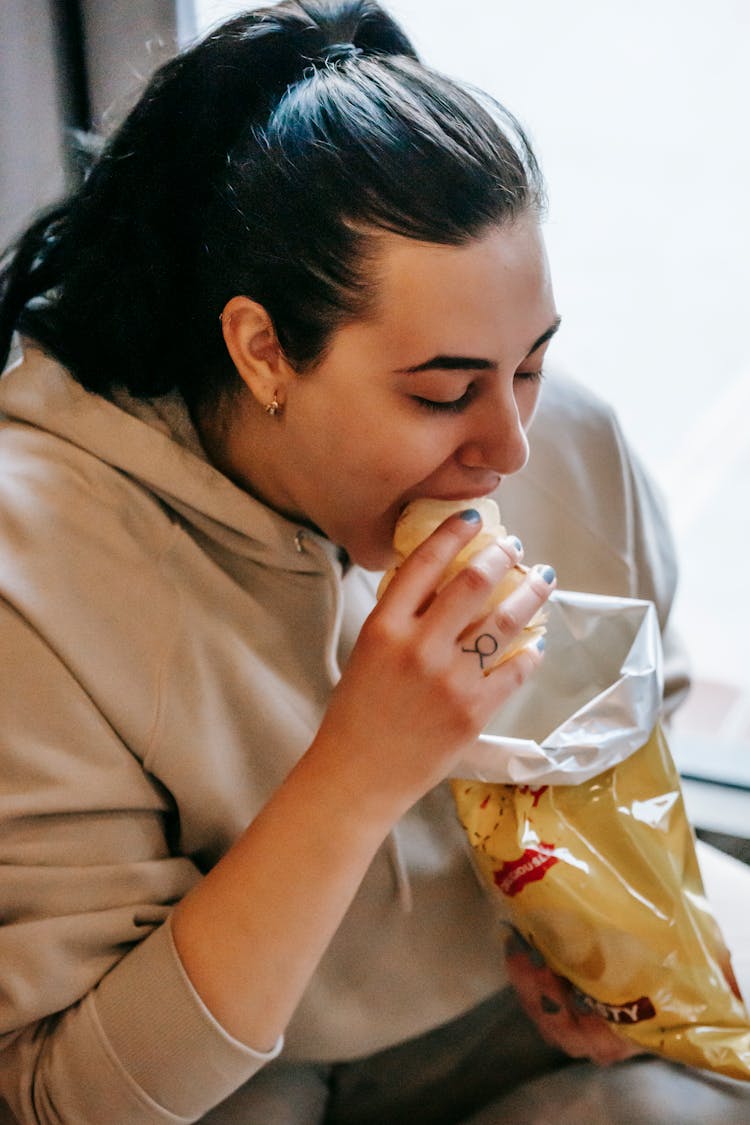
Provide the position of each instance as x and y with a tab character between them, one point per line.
639	112
31	157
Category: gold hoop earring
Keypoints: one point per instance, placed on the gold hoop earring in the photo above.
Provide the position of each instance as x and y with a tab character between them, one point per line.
273	407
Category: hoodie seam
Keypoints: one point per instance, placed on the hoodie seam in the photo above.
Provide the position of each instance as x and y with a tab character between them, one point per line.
168	647
304	543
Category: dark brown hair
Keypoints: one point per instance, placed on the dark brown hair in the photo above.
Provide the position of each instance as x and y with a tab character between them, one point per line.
256	162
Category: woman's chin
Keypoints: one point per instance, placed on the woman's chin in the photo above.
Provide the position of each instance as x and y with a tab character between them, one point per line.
368	544
371	552
372	558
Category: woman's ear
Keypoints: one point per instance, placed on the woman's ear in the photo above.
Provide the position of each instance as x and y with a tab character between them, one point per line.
256	353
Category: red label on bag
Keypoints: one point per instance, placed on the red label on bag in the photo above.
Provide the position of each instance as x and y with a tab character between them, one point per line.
634	1011
530	867
535	791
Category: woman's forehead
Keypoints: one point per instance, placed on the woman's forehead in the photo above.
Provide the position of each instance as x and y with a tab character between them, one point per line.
497	281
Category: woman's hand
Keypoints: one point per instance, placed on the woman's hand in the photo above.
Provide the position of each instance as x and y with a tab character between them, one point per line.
551	1004
414	695
411	697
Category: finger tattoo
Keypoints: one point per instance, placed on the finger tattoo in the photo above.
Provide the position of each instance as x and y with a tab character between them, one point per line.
485	646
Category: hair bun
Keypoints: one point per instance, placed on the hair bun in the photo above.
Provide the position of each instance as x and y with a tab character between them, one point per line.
352	27
339	52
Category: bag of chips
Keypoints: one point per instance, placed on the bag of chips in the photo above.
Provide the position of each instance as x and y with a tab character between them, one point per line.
590	850
572	805
602	879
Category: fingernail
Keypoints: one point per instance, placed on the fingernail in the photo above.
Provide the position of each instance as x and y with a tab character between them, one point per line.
515	544
541	644
470	515
581	1001
547	573
515	943
536	958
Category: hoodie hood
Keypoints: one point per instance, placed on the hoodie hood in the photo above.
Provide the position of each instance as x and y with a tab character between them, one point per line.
154	442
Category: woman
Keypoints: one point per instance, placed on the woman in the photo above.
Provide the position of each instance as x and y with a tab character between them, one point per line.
304	284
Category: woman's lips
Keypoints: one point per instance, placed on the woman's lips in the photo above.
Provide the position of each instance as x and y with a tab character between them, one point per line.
453	497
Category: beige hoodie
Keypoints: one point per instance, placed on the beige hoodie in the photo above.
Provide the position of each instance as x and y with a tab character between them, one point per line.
168	646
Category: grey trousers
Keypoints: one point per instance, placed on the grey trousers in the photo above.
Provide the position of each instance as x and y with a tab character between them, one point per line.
489	1067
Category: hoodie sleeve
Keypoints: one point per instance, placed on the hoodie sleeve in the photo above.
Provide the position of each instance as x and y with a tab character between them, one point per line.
586	504
655	568
98	1021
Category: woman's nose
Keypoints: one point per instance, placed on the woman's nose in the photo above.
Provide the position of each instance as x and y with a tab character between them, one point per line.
497	439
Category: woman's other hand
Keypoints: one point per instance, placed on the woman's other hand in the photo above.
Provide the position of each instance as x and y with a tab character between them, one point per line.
552	1004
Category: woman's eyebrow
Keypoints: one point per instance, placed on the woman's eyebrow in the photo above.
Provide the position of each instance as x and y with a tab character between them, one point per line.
474	363
450	363
545	336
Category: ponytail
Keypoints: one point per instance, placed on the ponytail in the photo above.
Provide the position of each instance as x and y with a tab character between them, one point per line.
247	167
29	270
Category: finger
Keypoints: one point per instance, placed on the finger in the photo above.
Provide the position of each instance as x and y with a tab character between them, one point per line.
594	1039
532	979
549	1001
466	596
517	945
605	1045
517	610
515	626
417	578
541	997
584	1037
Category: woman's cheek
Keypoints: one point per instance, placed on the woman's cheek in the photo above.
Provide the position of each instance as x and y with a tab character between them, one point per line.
412	457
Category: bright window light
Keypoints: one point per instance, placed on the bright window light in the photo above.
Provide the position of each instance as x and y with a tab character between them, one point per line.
639	115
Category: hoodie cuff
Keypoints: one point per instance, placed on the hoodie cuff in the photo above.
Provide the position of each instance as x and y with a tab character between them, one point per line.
164	1037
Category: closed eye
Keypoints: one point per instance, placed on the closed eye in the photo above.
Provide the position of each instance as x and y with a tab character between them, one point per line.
456	405
451	406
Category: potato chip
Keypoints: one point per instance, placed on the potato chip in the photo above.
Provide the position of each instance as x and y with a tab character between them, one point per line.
420	518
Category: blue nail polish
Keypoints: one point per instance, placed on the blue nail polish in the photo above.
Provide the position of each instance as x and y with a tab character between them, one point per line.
581	1002
517	544
516	944
547	574
541	644
536	958
470	515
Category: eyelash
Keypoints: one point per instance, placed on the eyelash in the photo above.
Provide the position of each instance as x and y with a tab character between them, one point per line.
530	376
456	405
453	406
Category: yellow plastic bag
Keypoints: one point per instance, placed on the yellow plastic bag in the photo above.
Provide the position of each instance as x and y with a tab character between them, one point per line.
602	878
573	807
